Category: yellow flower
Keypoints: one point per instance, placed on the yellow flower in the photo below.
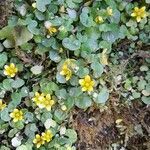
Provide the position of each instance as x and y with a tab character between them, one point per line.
17	115
66	72
48	102
109	11
67	68
99	19
2	106
38	140
87	83
10	70
139	13
70	63
39	99
47	136
52	30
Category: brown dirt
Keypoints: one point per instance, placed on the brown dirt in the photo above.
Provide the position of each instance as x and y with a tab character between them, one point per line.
4	12
97	130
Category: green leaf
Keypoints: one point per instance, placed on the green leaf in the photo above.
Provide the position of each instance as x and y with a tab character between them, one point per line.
41	4
102	96
32	27
11	106
22	35
5	115
69	103
36	69
16	98
54	56
48	87
61	93
30	130
39	15
85	18
19	125
108	27
82	71
12	132
25	147
71	43
105	44
110	36
72	135
97	68
146	100
4	148
60	78
141	85
136	94
17	83
45	116
59	116
116	17
111	3
29	116
48	42
24	92
22	147
148	1
71	4
6	32
83	102
3	59
7	84
41	49
75	92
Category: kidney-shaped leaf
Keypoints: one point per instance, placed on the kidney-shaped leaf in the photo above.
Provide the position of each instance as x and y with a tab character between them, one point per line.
71	43
102	96
41	4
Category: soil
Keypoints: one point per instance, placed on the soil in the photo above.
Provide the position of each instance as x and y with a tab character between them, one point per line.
97	130
3	13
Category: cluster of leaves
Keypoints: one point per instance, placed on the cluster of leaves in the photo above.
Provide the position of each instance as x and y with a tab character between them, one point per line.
39	57
138	87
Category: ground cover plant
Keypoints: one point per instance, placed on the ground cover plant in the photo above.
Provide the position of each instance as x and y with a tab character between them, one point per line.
74	74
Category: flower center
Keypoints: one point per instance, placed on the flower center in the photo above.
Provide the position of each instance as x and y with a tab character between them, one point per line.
87	84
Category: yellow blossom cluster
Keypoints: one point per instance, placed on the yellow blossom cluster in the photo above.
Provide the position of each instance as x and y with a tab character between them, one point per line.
50	28
2	105
17	115
139	13
43	101
41	139
109	11
99	19
67	68
87	83
10	70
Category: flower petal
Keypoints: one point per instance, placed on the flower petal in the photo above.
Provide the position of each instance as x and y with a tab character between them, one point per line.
133	14
138	19
81	82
